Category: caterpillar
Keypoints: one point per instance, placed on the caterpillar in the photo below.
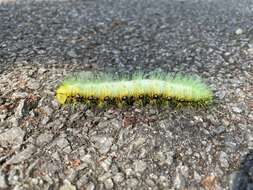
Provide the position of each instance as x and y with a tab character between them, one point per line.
154	88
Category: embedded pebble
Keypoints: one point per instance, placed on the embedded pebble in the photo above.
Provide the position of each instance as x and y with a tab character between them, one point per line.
118	178
45	120
140	166
44	138
236	109
17	95
72	53
179	182
61	142
132	182
2	116
22	156
3	183
33	85
239	31
20	110
109	184
224	160
67	186
42	70
103	143
90	186
13	136
106	164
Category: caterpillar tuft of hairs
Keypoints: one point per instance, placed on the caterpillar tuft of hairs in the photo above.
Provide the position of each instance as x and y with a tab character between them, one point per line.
158	89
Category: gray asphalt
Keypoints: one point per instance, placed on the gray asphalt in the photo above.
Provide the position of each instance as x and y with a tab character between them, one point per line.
181	35
64	147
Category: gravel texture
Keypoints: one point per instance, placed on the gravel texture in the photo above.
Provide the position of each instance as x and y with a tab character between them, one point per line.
47	146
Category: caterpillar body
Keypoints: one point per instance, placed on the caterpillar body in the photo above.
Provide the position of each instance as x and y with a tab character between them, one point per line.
157	88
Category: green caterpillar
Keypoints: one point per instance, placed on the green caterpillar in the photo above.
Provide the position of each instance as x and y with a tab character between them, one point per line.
156	88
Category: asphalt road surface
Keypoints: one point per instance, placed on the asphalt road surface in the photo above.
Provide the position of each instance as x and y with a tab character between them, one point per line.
47	146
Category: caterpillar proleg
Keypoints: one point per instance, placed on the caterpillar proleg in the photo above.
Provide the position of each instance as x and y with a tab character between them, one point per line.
156	88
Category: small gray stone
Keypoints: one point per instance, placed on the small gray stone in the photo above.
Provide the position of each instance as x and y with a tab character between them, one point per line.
31	72
119	177
169	159
231	60
250	140
179	182
17	95
20	110
74	117
225	122
223	159
55	104
3	184
42	70
2	117
13	136
71	174
129	172
108	184
132	182
140	166
33	84
239	31
236	110
219	130
182	173
67	186
150	182
72	53
104	177
21	156
227	54
197	177
61	142
47	110
87	159
82	181
14	121
220	94
230	143
213	119
90	186
250	51
56	156
164	181
45	120
103	143
44	138
106	164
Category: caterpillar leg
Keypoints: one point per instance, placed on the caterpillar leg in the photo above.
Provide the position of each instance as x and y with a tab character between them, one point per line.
164	103
120	105
145	100
141	101
127	101
101	104
153	102
157	101
138	103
